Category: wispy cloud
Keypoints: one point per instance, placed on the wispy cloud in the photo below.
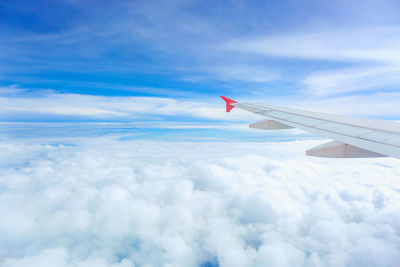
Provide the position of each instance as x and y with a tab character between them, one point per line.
350	80
48	103
372	104
232	72
11	90
355	45
374	51
22	104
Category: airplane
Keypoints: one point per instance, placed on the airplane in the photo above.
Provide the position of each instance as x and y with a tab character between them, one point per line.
353	137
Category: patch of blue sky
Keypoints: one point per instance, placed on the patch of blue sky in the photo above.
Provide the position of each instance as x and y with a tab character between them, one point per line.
172	132
279	52
213	263
112	84
42	17
206	135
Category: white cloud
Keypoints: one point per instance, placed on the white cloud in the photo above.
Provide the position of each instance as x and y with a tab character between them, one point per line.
373	104
49	104
108	107
233	72
357	44
353	80
112	203
374	49
49	257
11	89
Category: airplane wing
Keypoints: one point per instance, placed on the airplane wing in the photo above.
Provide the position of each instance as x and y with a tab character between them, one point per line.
353	137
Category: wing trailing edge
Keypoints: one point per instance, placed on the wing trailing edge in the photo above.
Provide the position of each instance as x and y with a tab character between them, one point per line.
354	137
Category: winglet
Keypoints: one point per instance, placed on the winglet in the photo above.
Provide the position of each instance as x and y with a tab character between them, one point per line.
229	103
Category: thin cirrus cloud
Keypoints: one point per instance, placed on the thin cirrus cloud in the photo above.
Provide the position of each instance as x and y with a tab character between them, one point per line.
356	50
373	51
358	44
235	72
385	78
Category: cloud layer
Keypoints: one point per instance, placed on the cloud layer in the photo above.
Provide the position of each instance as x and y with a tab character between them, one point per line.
21	105
114	203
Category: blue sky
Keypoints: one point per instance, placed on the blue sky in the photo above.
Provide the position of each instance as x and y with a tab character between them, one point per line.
91	90
78	60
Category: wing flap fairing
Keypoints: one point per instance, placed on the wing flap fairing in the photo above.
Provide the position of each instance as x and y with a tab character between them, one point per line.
336	149
269	125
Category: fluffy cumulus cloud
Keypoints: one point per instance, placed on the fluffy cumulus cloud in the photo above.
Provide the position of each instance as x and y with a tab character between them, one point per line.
103	202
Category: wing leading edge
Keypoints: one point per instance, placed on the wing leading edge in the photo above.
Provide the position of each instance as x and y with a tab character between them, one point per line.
353	137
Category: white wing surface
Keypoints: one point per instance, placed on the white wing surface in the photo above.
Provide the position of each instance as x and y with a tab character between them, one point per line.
353	137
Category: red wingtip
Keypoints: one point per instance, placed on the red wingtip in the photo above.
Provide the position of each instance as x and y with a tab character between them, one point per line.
228	101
